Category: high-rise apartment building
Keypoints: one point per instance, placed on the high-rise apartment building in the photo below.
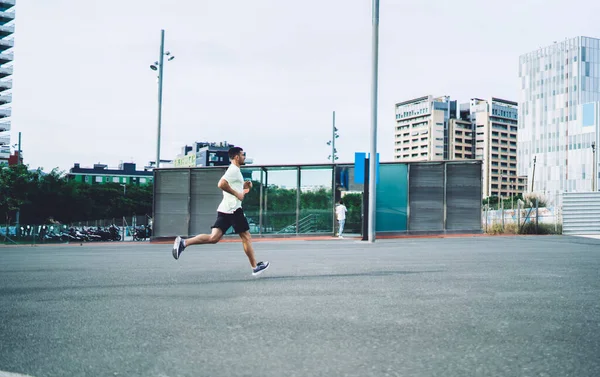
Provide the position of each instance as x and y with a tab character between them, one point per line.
7	28
432	129
495	124
559	115
421	128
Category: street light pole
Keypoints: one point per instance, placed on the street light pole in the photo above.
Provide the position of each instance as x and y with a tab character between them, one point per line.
160	80
19	160
333	135
594	167
373	154
533	175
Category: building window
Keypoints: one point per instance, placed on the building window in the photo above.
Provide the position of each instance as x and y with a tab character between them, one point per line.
98	179
116	180
142	180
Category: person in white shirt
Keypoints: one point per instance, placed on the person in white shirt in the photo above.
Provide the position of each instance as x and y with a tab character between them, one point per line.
229	213
340	212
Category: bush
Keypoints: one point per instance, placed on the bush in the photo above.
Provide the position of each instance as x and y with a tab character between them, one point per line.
530	228
509	228
531	197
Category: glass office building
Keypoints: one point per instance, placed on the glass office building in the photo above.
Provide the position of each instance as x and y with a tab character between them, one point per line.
558	115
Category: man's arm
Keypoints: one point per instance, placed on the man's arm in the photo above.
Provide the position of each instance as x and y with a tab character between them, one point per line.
224	185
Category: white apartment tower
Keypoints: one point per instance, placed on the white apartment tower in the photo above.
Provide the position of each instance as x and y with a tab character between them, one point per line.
495	123
421	125
559	115
7	28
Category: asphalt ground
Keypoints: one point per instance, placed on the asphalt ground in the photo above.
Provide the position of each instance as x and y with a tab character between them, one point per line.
462	306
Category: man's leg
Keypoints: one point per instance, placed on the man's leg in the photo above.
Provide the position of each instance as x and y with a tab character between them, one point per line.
342	222
214	237
180	244
257	268
248	249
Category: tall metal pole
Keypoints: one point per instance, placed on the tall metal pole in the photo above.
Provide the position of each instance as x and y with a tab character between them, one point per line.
373	157
594	167
160	81
333	140
533	175
333	173
19	159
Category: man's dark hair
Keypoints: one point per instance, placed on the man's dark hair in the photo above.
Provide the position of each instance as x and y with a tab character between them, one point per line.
234	151
341	201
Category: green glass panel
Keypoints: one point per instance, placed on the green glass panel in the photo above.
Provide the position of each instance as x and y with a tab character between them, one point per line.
392	198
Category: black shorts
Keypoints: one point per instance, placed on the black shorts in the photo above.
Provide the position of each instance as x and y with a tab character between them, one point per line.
237	220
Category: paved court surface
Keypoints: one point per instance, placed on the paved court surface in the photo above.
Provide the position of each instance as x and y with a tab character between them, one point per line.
484	306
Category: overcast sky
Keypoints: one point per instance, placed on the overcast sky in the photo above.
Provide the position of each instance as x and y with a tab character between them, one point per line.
262	74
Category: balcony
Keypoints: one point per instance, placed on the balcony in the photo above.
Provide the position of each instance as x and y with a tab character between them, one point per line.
5	98
5	140
6	17
5	72
5	113
5	85
6	4
4	153
6	58
5	44
4	126
6	30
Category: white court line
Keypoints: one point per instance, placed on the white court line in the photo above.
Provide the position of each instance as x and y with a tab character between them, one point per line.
9	374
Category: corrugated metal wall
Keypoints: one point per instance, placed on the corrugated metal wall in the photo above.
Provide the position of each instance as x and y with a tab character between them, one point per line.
445	196
581	213
463	197
426	197
171	193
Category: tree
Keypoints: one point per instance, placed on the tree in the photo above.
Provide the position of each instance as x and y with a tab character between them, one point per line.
41	197
16	184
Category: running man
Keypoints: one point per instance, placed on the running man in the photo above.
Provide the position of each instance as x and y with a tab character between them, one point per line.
229	213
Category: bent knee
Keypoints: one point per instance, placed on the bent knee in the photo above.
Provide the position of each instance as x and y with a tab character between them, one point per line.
214	239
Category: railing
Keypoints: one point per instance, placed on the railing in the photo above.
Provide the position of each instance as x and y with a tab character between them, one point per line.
7	43
7	29
7	16
306	224
5	85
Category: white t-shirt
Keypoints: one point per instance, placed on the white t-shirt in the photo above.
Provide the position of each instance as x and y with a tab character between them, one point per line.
340	211
234	177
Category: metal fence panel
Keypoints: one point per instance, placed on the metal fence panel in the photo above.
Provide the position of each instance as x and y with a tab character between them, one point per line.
581	213
426	197
171	193
205	198
463	197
